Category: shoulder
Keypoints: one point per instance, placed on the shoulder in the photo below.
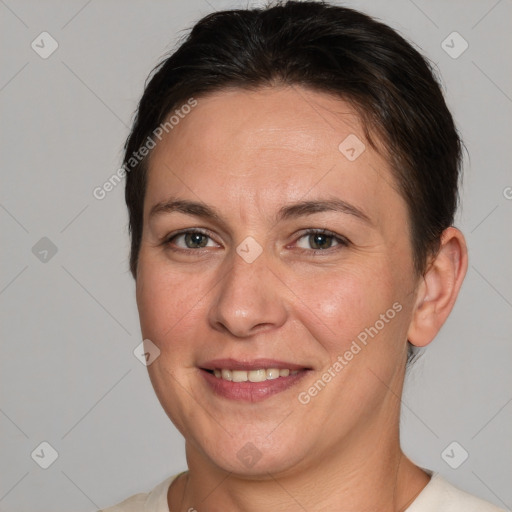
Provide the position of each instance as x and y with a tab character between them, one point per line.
154	501
439	495
134	503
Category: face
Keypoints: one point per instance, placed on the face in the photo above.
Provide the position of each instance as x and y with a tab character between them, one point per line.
271	242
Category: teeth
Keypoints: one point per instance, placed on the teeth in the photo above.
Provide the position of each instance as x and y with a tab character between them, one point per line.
252	375
257	375
239	376
272	374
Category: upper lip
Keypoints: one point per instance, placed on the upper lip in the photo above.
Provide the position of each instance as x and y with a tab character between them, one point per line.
254	364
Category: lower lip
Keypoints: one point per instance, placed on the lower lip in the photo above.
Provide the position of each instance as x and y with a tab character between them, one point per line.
251	391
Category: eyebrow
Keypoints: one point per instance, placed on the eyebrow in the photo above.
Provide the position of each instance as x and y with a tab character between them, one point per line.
294	210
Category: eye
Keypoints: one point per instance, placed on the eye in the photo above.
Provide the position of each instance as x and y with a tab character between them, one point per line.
320	240
192	239
312	240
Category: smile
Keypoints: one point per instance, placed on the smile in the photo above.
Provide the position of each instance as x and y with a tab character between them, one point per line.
253	375
250	381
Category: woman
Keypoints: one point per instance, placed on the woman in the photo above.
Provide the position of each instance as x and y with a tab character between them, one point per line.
292	180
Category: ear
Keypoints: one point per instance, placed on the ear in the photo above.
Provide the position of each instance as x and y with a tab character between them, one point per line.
439	288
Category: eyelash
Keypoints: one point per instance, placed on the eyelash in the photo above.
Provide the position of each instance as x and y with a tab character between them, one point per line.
341	241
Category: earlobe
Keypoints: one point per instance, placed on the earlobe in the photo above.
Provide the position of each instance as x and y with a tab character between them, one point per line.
439	288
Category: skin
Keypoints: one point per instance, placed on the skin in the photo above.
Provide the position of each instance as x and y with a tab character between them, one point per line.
247	154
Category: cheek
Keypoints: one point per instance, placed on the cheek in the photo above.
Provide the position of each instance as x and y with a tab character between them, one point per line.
333	306
167	301
338	305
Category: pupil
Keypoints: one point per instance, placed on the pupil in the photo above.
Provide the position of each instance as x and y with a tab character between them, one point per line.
194	239
317	239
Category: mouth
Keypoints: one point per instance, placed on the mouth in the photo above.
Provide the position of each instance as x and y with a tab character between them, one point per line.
251	381
251	376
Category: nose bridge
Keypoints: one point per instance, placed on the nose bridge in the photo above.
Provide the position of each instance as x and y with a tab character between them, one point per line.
247	296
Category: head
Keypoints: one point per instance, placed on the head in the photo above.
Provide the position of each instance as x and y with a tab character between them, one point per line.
263	125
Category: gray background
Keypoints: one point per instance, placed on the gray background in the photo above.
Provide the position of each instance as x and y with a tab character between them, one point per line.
69	323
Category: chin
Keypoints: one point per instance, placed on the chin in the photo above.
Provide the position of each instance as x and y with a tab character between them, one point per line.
255	456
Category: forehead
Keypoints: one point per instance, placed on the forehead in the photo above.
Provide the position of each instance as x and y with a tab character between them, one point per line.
289	119
286	141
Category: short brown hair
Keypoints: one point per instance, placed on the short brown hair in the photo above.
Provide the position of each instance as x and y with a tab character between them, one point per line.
326	48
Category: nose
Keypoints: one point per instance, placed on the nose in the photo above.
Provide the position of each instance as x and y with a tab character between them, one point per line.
249	298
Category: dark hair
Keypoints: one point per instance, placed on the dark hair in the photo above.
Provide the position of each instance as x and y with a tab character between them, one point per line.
325	48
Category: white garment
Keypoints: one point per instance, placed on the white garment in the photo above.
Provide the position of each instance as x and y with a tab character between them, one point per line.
437	496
